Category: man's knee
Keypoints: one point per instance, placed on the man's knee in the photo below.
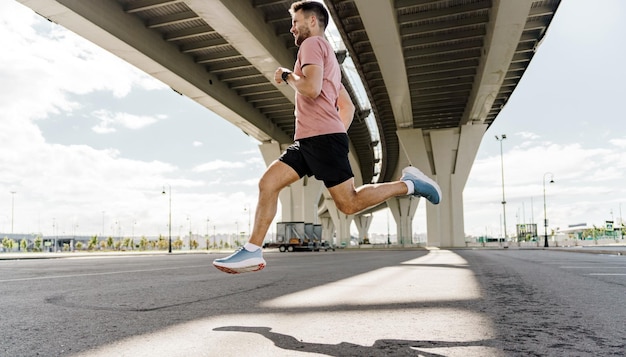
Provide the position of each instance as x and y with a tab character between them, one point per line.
345	197
266	184
347	207
277	177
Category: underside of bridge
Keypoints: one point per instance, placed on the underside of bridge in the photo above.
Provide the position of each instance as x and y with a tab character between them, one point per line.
436	74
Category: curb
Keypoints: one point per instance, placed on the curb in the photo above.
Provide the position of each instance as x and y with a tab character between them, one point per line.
65	255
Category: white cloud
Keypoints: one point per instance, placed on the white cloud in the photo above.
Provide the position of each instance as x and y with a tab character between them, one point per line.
41	68
620	143
218	165
39	72
255	160
108	120
586	177
249	182
528	135
197	144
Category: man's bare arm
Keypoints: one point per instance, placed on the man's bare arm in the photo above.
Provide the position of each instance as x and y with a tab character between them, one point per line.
309	84
345	106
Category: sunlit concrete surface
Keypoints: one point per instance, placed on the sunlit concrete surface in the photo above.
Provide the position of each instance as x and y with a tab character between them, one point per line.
398	310
438	276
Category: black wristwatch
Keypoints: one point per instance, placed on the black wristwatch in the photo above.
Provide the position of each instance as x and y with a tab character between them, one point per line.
284	76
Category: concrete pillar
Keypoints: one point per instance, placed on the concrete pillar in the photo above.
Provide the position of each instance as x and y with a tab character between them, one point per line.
403	210
449	163
363	223
341	221
328	229
304	198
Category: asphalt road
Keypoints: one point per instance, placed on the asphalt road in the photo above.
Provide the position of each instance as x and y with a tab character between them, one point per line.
345	303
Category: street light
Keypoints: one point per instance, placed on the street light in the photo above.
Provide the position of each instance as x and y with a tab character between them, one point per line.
236	231
55	233
189	219
249	213
545	217
169	246
207	233
13	211
500	138
621	222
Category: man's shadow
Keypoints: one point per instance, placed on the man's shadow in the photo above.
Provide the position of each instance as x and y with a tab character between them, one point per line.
380	347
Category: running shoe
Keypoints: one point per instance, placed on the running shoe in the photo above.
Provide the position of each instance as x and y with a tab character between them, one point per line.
241	261
424	185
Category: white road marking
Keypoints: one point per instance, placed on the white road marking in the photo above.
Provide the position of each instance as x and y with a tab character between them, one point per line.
592	267
103	273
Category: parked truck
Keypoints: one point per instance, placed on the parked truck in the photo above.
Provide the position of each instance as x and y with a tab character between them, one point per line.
292	236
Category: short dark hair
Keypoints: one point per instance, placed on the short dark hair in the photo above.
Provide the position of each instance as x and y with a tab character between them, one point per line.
308	7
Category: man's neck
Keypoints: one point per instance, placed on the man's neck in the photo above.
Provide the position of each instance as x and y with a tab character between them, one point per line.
316	35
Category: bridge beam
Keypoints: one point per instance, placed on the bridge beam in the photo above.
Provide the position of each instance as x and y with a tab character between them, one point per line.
106	24
379	19
248	32
508	19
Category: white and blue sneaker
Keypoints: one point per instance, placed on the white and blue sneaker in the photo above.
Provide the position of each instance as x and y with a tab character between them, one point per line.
241	261
423	185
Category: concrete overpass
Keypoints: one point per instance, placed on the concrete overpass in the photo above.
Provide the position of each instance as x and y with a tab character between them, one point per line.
435	74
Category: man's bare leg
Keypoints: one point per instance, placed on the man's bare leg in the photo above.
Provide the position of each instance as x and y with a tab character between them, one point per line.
350	200
250	258
277	176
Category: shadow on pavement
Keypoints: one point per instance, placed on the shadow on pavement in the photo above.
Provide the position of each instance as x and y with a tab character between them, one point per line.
384	347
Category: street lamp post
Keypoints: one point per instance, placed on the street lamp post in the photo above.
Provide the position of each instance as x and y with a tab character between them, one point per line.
621	222
500	139
169	246
12	210
249	214
545	217
54	233
189	219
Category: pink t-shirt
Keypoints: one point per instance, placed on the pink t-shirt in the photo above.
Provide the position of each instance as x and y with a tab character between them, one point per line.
318	116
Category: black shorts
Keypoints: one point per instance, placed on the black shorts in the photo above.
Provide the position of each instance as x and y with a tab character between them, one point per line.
323	156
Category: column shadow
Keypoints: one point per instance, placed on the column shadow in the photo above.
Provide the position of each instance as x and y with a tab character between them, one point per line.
384	347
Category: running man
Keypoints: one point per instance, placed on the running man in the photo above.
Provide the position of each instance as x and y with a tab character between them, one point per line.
323	114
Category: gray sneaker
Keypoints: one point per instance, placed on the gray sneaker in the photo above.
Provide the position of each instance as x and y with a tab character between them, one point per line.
424	185
241	261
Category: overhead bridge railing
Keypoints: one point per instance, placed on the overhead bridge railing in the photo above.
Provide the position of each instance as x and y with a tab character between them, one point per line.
363	104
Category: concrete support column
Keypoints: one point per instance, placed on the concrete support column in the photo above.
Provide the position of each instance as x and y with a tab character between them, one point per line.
341	221
304	198
312	194
403	210
363	223
449	163
328	229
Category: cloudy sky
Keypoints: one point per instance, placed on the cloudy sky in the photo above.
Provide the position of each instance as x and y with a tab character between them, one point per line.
88	143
